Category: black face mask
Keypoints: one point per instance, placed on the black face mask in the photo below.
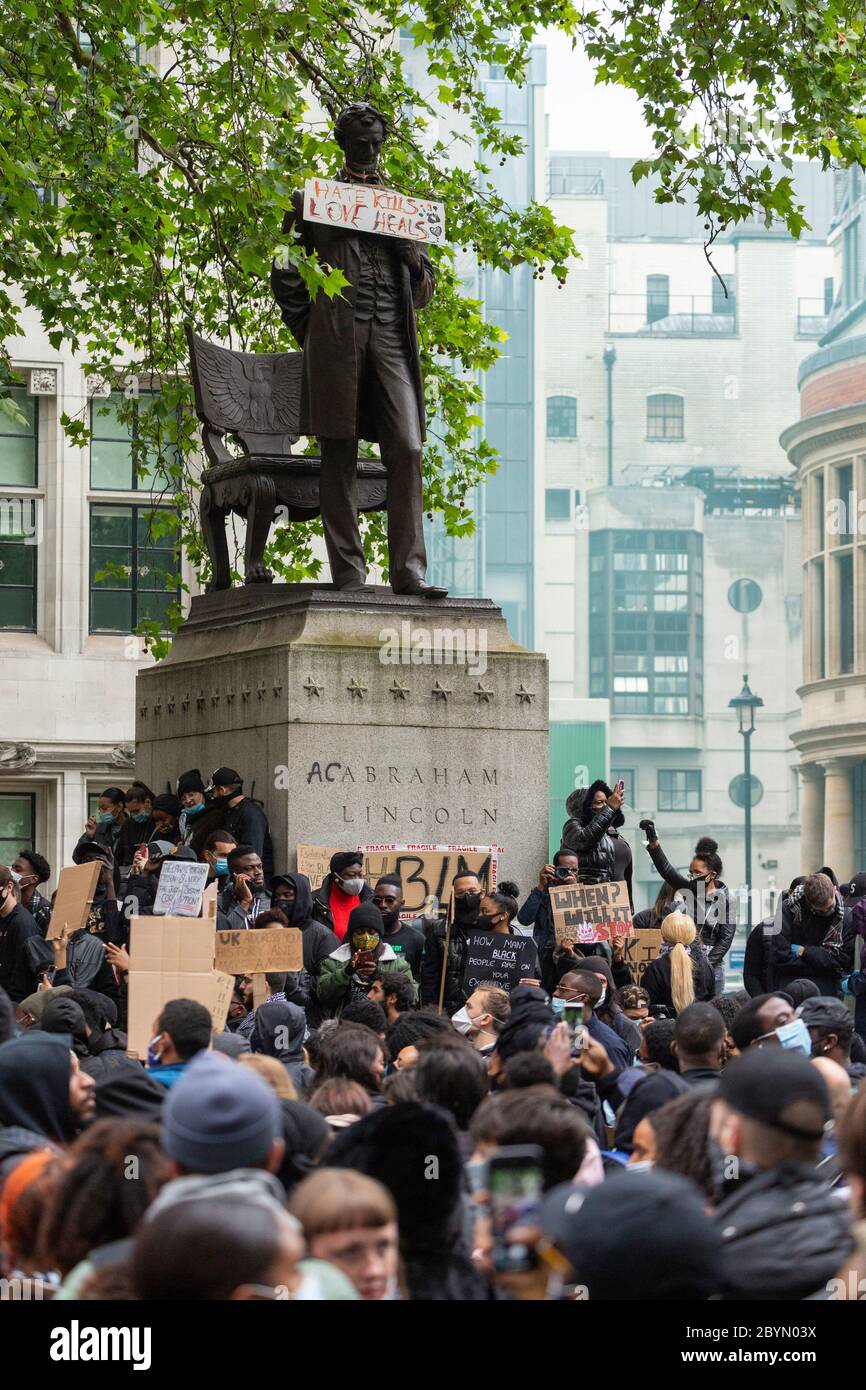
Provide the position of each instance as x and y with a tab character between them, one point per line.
221	802
466	908
390	918
287	907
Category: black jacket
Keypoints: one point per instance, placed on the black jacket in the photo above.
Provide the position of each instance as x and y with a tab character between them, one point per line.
827	955
108	1056
321	907
17	975
595	849
713	913
785	1233
657	978
248	824
622	861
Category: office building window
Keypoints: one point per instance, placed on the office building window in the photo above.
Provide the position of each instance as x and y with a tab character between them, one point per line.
665	417
19	438
17	824
646	624
557	504
657	297
118	461
678	790
562	417
133	556
18	550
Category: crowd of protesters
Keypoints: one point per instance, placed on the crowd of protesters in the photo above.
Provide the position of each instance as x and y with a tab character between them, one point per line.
384	1125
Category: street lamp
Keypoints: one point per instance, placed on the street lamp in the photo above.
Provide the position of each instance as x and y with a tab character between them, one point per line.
745	704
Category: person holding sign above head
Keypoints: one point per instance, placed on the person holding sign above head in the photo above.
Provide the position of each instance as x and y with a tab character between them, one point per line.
681	974
592	833
348	972
706	897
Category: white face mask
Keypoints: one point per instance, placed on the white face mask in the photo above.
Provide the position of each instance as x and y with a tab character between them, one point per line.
352	886
463	1021
600	1003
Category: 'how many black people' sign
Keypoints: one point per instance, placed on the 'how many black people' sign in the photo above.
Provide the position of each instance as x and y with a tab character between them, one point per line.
494	958
585	912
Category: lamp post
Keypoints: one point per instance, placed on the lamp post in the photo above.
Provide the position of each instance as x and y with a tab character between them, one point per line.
745	704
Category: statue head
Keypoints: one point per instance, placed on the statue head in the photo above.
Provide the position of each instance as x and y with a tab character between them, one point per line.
360	131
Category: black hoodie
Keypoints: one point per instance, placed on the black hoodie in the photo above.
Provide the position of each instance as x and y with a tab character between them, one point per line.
289	1022
34	1085
318	940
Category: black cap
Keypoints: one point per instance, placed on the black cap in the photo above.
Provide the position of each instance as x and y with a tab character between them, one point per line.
168	803
856	888
636	1236
185	852
823	1011
224	777
779	1088
343	858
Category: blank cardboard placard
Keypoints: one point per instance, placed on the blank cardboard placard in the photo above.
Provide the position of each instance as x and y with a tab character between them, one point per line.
172	958
254	952
75	889
180	887
209	902
585	912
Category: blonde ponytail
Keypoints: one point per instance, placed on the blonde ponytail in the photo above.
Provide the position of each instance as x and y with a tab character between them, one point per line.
679	930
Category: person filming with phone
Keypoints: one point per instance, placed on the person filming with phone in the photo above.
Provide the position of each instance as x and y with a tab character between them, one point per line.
538	913
592	833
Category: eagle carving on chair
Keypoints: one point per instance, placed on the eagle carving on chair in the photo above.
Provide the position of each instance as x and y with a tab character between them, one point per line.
254	392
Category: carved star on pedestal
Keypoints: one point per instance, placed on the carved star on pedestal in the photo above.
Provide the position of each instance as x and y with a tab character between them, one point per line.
215	698
356	690
398	689
524	696
261	690
482	694
170	704
230	695
157	708
277	688
200	699
184	704
440	691
246	693
312	688
142	709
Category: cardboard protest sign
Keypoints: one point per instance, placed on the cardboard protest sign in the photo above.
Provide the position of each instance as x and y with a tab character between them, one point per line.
426	870
641	949
313	860
584	912
494	958
181	883
431	869
209	901
75	889
172	958
254	952
359	207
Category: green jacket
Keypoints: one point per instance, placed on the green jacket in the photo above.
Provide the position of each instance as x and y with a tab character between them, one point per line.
335	976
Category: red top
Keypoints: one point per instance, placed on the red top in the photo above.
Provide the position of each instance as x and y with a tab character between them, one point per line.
341	905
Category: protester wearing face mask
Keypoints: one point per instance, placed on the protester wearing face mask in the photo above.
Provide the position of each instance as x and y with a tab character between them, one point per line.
347	973
17	927
215	852
33	870
607	1009
244	818
106	826
291	893
342	890
582	987
810	943
139	825
482	1017
464	909
785	1230
707	900
198	819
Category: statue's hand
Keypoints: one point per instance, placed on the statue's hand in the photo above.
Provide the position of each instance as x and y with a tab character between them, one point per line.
408	252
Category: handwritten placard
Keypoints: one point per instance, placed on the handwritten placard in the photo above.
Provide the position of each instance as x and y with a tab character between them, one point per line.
584	912
257	952
640	950
498	959
179	891
365	207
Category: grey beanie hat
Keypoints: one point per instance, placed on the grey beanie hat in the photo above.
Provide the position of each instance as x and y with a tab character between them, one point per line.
220	1116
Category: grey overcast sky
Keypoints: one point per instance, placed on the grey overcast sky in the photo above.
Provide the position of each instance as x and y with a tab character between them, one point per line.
582	116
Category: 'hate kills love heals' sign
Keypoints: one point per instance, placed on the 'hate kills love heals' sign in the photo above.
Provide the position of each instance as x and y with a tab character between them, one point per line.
364	207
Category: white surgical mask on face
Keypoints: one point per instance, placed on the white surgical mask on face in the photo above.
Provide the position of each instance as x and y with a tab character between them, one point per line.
602	999
463	1021
352	886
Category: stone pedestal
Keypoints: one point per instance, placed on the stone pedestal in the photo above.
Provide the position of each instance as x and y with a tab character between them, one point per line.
359	718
